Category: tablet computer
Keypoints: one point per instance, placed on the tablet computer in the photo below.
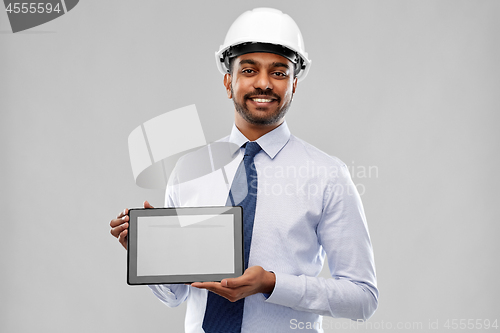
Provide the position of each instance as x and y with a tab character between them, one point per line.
184	245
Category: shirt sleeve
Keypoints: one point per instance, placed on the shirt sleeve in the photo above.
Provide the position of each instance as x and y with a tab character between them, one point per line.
171	294
342	231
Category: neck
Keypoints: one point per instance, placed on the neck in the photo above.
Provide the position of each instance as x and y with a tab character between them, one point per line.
252	131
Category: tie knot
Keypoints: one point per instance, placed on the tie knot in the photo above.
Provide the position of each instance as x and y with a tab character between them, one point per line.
252	148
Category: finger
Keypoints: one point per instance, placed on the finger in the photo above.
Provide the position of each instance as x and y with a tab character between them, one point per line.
215	288
232	283
122	213
205	285
123	238
147	204
116	231
118	221
231	295
235	282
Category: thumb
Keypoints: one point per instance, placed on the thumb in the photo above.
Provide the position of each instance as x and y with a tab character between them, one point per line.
231	283
147	204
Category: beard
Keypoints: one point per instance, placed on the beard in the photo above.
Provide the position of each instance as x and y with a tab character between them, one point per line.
268	119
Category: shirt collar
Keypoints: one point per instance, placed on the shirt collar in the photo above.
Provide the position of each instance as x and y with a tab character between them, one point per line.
271	142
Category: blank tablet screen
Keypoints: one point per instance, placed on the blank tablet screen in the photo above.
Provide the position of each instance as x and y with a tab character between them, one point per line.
182	245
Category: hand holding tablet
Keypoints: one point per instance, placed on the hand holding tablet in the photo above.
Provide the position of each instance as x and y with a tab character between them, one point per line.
119	225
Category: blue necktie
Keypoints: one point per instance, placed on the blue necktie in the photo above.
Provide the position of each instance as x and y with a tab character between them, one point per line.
221	315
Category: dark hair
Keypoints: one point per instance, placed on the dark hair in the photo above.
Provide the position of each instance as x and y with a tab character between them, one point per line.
234	51
230	63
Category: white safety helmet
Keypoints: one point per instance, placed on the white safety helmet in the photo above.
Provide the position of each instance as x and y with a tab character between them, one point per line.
264	30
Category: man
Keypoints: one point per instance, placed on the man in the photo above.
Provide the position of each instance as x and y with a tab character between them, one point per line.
304	203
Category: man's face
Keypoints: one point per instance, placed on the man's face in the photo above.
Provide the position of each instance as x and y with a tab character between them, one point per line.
261	86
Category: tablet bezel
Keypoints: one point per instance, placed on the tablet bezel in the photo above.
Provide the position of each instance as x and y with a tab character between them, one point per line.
134	213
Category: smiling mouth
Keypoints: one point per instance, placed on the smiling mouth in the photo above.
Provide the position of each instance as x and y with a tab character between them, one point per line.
262	100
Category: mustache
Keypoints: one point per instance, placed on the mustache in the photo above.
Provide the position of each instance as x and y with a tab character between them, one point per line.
262	93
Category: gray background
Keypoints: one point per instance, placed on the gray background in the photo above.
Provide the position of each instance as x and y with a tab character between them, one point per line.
410	87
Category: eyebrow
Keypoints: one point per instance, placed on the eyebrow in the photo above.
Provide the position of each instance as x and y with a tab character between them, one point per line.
279	64
272	65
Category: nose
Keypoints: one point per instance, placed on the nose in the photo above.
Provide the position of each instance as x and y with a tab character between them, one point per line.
262	81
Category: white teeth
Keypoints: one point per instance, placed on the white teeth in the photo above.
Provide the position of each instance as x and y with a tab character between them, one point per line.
261	100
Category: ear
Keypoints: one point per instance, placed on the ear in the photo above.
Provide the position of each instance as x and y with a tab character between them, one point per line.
227	84
294	85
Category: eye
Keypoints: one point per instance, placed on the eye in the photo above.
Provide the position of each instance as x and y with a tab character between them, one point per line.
280	74
248	71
